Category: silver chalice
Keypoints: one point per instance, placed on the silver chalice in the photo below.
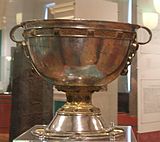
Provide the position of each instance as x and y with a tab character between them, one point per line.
79	57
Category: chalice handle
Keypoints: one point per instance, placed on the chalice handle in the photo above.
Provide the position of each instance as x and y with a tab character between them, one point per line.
12	34
20	42
150	35
133	49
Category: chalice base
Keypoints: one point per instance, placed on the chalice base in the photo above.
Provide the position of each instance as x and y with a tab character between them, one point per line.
78	121
29	137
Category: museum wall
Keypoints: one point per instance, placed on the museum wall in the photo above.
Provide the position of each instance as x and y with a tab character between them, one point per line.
148	74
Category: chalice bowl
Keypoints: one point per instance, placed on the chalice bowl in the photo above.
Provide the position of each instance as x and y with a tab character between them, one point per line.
79	57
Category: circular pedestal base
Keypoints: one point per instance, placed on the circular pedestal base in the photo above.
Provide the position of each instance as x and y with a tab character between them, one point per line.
77	127
79	120
111	134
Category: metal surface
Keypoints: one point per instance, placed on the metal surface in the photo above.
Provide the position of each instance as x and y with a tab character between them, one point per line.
79	56
27	136
79	52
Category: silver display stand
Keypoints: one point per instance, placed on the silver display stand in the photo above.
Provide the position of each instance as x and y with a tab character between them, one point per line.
127	137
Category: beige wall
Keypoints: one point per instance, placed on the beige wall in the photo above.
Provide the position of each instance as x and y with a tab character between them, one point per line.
148	75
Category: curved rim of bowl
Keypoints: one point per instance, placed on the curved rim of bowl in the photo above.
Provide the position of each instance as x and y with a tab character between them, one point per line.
80	22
